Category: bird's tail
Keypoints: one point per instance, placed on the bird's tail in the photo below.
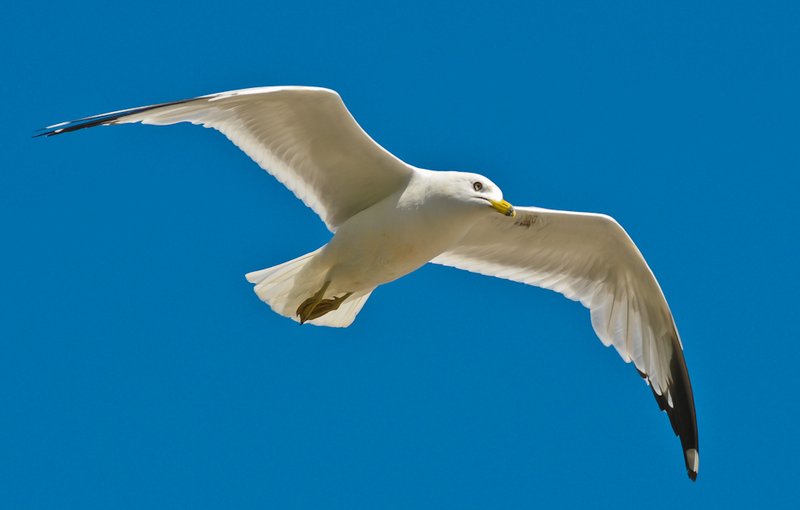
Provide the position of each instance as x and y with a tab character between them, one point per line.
285	286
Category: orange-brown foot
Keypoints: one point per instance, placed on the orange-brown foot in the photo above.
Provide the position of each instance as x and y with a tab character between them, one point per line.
312	308
315	306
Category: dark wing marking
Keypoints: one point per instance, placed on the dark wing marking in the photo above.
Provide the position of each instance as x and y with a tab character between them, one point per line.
681	413
104	119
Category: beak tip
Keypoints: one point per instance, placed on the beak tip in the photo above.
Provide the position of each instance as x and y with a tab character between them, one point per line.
503	207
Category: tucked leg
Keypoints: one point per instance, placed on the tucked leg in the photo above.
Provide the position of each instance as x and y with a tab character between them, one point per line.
316	306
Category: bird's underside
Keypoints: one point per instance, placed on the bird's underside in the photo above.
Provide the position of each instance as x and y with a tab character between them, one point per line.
308	140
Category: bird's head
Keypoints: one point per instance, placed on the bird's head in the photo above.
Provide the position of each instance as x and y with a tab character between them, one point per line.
480	191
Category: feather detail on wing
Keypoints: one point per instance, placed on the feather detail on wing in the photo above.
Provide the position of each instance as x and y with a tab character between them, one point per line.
304	136
591	259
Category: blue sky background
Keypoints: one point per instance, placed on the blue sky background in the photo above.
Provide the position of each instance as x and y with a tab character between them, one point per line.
139	370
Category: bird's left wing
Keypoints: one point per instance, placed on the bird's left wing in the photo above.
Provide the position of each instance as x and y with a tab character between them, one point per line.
304	136
591	259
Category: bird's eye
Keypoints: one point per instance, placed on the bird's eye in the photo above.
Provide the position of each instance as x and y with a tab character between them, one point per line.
477	186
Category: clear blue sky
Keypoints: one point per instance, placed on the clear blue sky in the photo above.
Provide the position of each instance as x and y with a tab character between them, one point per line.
139	370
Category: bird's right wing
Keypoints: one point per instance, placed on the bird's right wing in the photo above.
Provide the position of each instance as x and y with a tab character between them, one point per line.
591	259
304	136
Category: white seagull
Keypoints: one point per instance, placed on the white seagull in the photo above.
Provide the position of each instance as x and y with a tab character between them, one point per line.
389	218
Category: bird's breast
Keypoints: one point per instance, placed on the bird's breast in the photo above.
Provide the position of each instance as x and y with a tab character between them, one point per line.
381	244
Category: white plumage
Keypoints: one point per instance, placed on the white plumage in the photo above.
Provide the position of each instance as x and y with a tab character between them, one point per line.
389	218
587	258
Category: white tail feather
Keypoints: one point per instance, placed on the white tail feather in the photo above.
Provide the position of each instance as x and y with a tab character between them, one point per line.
285	286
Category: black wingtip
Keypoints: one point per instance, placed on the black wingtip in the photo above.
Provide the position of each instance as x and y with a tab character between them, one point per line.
103	119
677	401
66	127
44	132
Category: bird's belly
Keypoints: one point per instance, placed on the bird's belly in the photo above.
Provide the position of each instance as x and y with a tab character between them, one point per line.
373	262
365	256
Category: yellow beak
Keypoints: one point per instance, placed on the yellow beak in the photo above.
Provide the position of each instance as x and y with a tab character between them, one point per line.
503	207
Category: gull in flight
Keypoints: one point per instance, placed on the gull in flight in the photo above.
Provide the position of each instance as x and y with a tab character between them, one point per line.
389	218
